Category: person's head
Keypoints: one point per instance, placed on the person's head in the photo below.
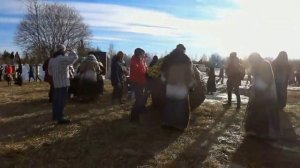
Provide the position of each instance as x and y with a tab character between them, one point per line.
181	48
139	52
232	56
155	58
254	59
60	50
282	56
120	55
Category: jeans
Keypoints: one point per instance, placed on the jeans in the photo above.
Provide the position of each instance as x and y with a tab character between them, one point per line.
59	103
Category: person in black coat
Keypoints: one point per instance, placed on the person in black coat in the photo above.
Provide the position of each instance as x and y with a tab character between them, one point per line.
117	77
211	82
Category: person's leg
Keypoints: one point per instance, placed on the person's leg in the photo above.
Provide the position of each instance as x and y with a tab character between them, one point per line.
120	93
238	97
55	102
136	108
229	94
63	96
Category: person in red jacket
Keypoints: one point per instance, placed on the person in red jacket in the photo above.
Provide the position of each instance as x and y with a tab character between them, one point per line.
138	71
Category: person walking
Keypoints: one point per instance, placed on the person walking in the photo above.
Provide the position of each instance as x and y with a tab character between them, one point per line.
221	75
59	70
37	73
31	73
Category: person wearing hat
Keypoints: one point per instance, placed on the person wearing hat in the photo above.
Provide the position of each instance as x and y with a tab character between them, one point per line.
58	68
177	74
235	74
88	73
138	71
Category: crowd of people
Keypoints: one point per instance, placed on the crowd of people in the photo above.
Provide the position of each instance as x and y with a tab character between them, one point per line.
174	87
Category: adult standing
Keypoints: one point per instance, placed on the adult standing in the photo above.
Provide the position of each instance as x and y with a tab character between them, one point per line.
59	70
282	70
89	70
177	73
117	77
48	78
235	74
262	114
138	71
211	81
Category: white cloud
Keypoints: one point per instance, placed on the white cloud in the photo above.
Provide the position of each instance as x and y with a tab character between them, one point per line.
266	26
107	38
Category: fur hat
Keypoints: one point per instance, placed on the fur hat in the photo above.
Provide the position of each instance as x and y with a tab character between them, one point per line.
60	47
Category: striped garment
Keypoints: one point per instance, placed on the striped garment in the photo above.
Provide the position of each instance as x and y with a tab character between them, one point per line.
59	69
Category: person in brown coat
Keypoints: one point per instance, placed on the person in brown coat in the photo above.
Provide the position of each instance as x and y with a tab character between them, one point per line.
235	74
262	113
281	69
177	73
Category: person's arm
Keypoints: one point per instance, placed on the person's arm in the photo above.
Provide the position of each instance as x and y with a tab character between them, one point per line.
68	60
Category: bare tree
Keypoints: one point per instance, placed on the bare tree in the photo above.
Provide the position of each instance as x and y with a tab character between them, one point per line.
47	24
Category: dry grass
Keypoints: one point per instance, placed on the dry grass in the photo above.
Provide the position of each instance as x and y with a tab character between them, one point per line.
101	136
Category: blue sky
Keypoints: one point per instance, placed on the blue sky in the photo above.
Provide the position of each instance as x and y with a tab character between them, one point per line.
203	26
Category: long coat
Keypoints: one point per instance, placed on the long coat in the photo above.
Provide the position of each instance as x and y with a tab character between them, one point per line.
178	75
262	114
281	71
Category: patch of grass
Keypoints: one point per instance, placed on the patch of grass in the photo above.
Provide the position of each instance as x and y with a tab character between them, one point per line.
101	136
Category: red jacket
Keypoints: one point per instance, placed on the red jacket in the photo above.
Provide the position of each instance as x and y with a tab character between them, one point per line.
10	69
138	70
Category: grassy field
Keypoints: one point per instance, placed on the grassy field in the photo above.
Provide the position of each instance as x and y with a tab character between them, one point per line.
101	136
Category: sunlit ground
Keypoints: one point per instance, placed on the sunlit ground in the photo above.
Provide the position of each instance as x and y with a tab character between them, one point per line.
101	136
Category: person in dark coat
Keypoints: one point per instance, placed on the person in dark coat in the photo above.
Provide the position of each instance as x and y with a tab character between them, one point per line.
117	77
281	69
262	113
1	72
31	73
221	75
211	82
48	78
234	73
177	74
